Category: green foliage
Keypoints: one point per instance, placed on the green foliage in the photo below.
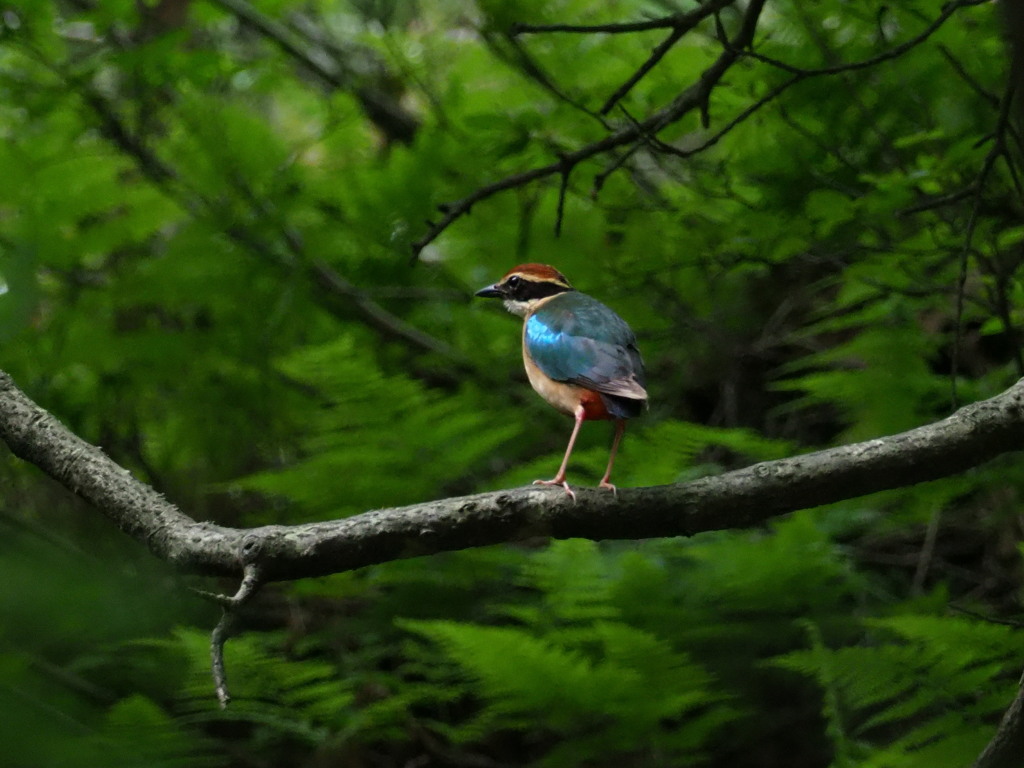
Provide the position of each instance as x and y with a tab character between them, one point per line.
354	437
204	268
932	680
616	698
135	731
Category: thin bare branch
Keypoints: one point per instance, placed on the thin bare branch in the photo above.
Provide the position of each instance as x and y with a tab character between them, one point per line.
354	302
226	627
663	22
742	116
967	77
397	122
895	52
694	97
940	201
522	59
221	634
289	42
684	24
998	150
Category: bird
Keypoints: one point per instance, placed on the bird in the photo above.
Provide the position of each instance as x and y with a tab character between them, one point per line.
580	356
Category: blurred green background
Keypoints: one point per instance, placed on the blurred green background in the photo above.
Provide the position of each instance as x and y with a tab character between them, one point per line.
206	217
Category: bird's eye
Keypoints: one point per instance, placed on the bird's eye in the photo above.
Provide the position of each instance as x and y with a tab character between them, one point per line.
514	281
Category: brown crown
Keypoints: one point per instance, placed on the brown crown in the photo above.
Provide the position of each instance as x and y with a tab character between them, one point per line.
538	272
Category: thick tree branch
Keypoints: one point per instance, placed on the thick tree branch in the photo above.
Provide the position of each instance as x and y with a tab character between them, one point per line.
746	497
1007	746
740	499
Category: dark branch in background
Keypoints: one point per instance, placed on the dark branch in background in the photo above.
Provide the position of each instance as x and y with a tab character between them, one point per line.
940	201
560	210
521	58
335	293
683	24
616	28
383	110
375	316
967	77
339	296
1013	16
354	302
652	61
640	132
999	149
694	97
895	52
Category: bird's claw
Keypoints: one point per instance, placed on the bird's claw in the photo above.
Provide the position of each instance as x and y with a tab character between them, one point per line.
557	481
610	487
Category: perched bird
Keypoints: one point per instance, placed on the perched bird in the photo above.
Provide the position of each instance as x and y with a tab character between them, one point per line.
580	356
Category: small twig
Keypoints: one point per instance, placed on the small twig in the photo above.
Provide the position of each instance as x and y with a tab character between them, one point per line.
967	77
225	628
835	152
937	202
895	52
618	162
719	135
536	73
998	149
325	62
990	619
924	560
656	55
219	636
645	139
663	22
251	582
562	187
288	41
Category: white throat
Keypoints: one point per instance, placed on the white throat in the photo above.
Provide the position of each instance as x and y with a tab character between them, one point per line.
529	306
521	308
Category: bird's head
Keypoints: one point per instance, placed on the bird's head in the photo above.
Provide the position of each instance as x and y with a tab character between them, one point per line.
525	286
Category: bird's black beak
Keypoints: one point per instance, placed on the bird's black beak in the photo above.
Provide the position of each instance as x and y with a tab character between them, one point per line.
491	292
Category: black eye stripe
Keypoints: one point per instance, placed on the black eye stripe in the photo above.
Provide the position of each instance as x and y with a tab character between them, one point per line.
522	289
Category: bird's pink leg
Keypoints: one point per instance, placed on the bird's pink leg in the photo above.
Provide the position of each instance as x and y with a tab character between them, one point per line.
620	429
559	479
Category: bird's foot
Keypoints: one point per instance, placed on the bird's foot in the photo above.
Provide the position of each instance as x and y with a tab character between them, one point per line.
558	481
610	487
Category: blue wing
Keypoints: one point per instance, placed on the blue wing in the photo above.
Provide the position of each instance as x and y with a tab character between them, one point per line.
577	339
